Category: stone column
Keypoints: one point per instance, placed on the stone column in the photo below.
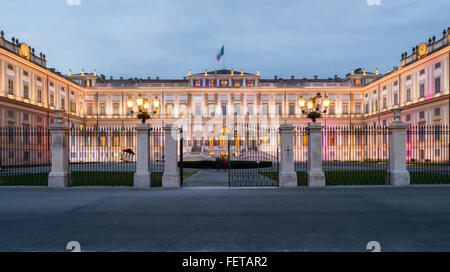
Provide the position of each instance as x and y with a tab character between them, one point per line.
171	176
398	174
60	174
288	176
315	174
143	175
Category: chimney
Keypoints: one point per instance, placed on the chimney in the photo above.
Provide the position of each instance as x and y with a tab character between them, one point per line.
275	77
292	77
157	78
148	78
316	77
121	78
335	77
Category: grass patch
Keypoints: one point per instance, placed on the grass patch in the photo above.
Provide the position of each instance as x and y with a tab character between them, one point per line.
356	177
36	179
429	178
102	178
270	174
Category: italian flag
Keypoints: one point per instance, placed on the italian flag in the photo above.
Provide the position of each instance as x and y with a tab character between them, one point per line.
221	53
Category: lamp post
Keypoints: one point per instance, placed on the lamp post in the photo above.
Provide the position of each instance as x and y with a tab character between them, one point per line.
314	106
143	107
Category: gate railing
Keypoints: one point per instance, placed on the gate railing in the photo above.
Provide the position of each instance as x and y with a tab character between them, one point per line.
102	156
427	154
300	154
25	155
356	155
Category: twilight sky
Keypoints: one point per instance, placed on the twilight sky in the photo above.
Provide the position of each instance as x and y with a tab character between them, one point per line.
165	38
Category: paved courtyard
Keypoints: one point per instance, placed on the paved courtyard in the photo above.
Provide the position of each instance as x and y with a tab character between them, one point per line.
231	219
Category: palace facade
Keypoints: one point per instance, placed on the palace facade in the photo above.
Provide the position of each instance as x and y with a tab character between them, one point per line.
208	103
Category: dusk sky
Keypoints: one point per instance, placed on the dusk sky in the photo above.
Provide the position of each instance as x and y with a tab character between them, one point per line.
166	38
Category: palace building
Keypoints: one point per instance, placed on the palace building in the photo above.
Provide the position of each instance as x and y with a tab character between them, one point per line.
208	102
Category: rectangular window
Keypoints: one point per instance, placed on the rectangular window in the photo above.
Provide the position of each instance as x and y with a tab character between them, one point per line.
358	109
89	109
437	65
264	109
169	110
384	103
102	109
408	117
395	99
421	115
63	103
10	67
224	109
396	83
211	109
408	94
291	109
437	111
198	110
73	106
422	90
422	72
39	95
278	109
331	109
437	85
25	91
237	109
344	109
116	109
250	109
374	106
25	73
10	86
52	99
408	77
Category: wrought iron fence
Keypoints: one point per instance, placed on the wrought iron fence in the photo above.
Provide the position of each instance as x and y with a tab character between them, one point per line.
355	155
157	144
102	156
253	156
427	154
25	155
300	154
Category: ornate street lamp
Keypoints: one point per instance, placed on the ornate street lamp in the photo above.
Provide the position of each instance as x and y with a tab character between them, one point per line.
315	106
143	106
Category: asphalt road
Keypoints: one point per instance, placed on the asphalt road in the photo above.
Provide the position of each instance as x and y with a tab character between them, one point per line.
416	218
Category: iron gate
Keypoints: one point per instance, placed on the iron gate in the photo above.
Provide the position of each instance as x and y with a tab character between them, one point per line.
253	157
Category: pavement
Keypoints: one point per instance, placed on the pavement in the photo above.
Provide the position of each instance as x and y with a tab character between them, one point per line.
416	218
206	178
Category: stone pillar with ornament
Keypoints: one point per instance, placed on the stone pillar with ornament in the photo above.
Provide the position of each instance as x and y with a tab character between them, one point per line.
143	175
398	173
287	176
60	175
315	174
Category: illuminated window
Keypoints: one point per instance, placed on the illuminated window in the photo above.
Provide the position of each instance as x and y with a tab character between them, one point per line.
237	84
25	91
102	141
73	106
52	99
305	140
211	83
169	109
223	140
224	83
10	86
116	109
39	95
116	141
250	83
265	140
197	82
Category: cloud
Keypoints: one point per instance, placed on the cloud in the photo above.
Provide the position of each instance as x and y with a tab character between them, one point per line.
374	2
73	2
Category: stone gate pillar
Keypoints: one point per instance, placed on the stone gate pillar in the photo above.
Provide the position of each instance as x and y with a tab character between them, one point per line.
60	174
315	174
287	175
171	176
143	175
398	174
